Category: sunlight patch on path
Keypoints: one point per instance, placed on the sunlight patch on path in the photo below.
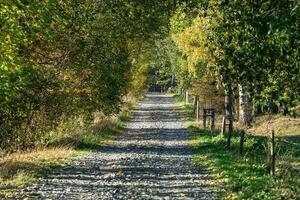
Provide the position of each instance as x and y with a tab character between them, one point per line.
151	160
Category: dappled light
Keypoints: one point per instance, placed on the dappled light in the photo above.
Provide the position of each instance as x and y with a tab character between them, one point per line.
151	159
103	99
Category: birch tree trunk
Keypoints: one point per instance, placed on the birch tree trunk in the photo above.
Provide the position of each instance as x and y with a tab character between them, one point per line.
228	113
187	96
229	108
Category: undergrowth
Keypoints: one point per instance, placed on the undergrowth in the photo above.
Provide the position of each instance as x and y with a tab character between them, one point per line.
58	148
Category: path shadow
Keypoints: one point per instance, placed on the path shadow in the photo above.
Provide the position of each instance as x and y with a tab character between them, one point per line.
144	163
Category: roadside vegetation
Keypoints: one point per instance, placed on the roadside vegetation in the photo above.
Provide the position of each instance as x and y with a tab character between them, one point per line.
24	168
70	72
246	175
69	69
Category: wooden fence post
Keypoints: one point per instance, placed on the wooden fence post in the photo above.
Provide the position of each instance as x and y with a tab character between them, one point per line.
272	153
242	139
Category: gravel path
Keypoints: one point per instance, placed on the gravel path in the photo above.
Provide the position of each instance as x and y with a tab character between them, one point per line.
151	160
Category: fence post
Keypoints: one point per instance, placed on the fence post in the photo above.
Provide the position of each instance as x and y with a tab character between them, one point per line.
272	153
242	139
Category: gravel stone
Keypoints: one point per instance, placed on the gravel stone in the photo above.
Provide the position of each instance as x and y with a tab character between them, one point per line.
151	160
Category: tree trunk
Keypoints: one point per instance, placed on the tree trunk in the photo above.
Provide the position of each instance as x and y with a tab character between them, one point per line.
195	104
272	154
255	109
244	117
197	109
187	97
228	112
223	129
228	108
173	81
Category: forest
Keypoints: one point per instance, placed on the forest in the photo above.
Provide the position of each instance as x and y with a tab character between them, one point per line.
70	65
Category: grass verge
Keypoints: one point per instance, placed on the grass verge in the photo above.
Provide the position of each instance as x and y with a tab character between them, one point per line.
24	168
246	176
20	169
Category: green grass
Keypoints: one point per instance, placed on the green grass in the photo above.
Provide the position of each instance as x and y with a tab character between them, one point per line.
178	99
187	108
86	138
245	176
25	168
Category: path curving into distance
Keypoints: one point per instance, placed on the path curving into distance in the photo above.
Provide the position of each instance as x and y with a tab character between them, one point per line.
151	160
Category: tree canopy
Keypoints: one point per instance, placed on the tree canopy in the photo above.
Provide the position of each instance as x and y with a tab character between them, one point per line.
60	59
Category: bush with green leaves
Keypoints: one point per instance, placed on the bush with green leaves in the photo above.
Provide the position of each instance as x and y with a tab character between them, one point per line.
65	59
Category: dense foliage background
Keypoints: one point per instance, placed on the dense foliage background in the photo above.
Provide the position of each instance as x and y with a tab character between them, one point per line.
248	50
69	59
62	60
69	68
